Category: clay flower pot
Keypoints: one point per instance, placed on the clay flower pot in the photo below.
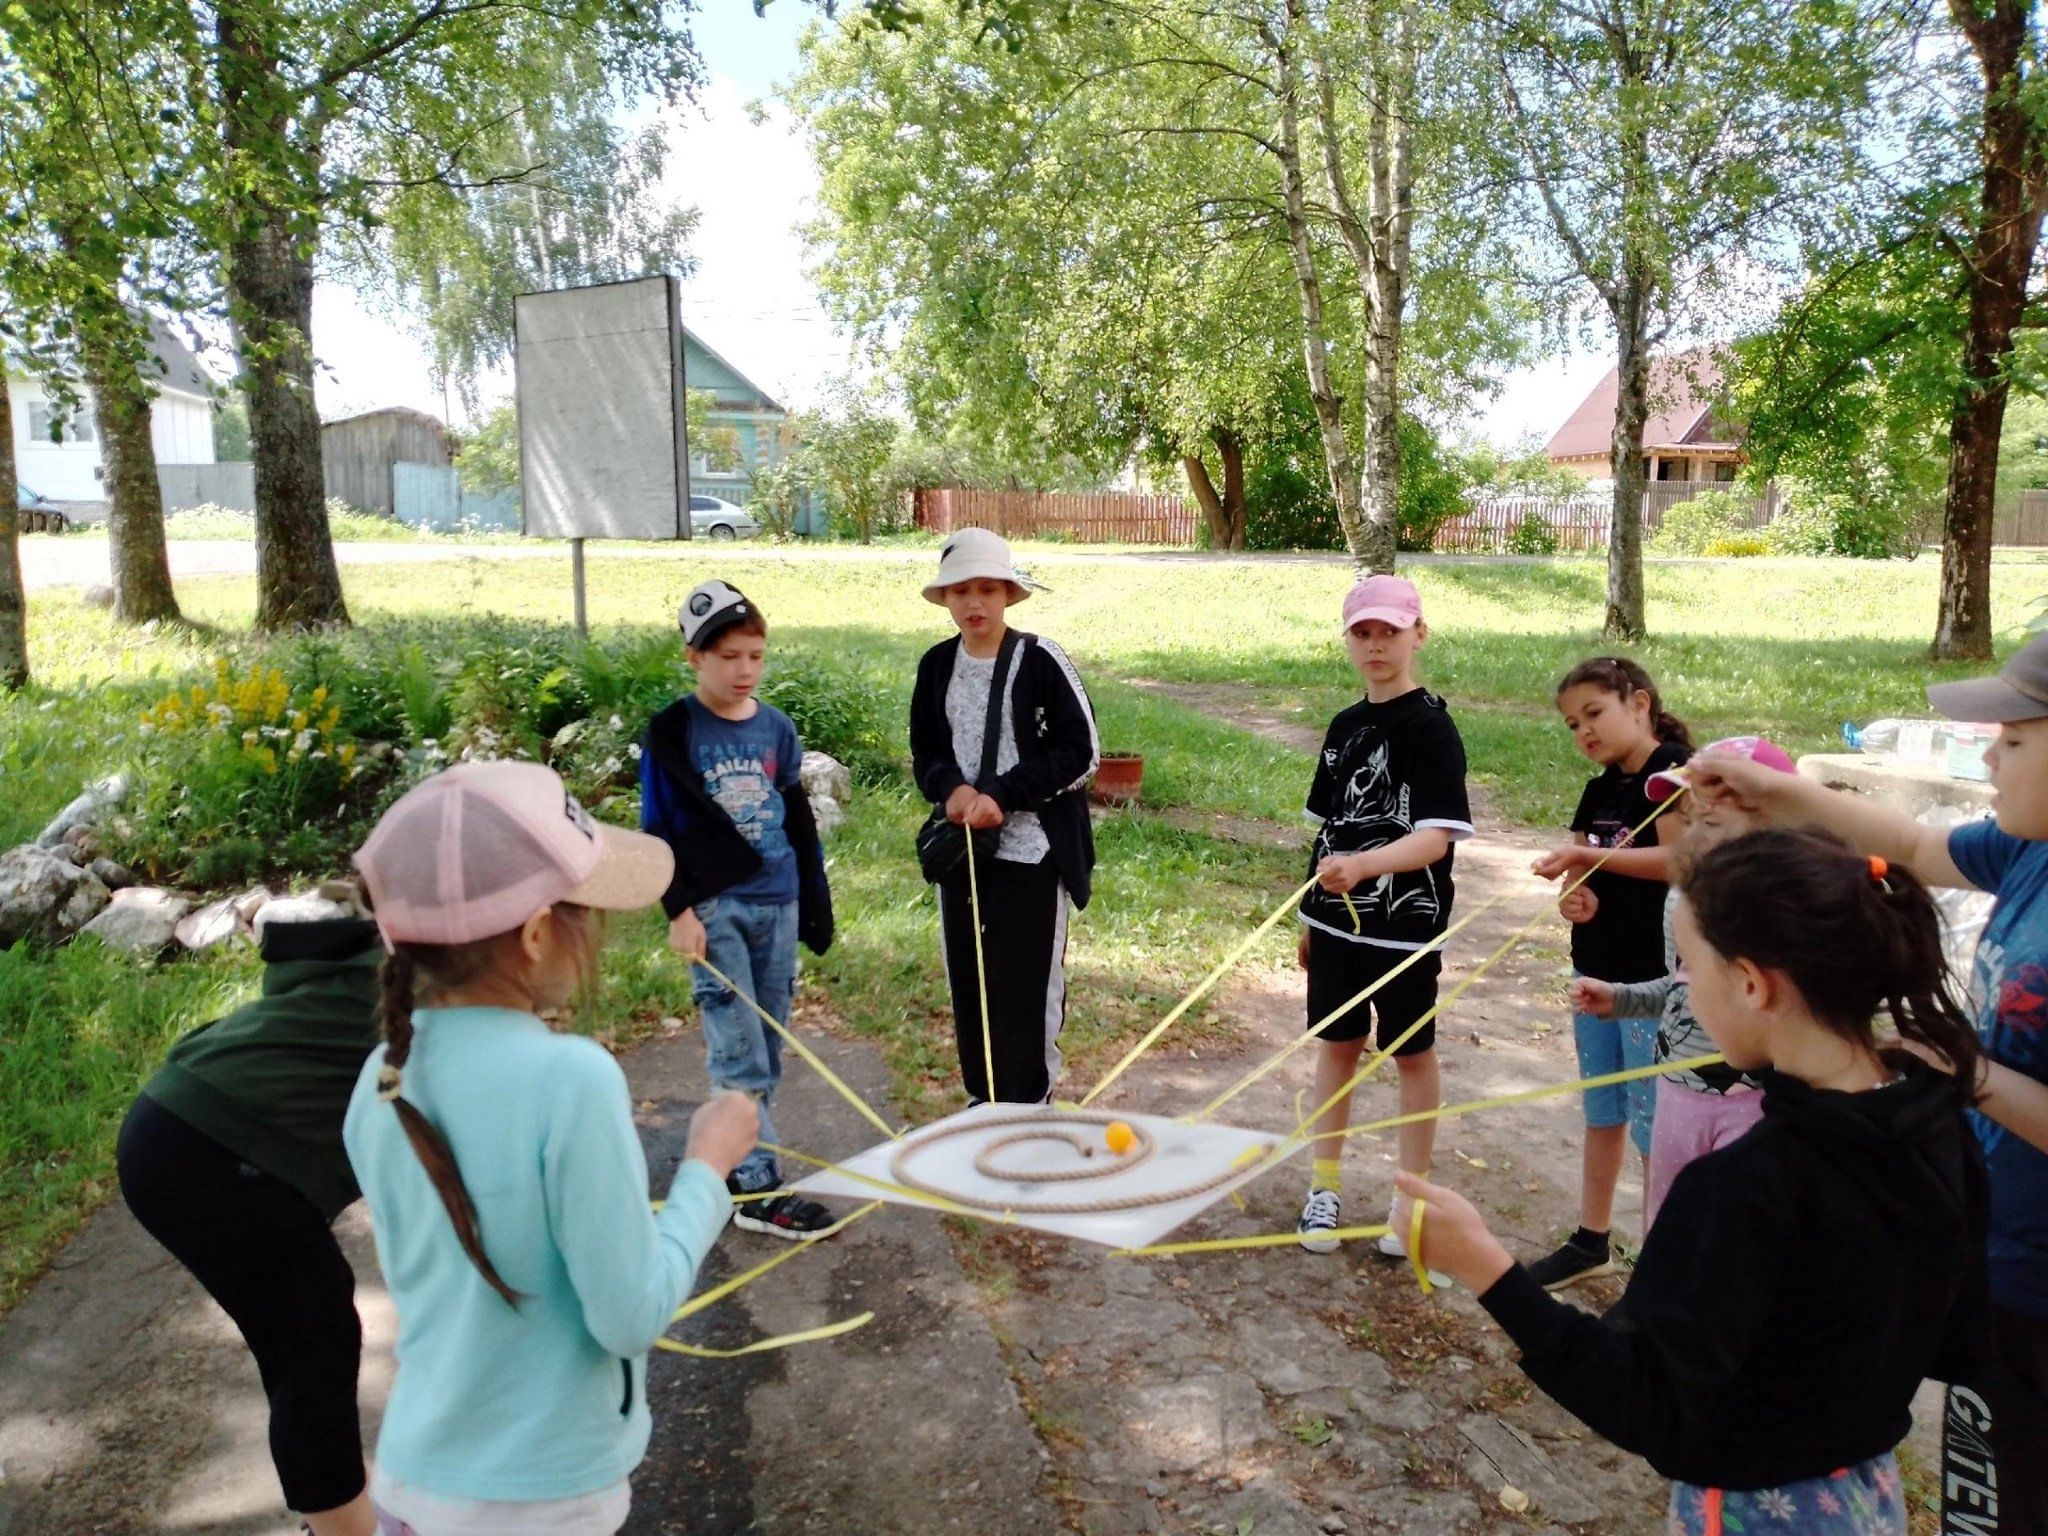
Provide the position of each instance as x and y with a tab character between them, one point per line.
1117	778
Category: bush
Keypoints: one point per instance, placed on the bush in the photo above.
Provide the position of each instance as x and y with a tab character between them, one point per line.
1533	536
345	524
1286	509
1735	546
1832	522
840	710
1690	527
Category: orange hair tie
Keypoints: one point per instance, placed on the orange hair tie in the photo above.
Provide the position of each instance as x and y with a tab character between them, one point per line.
1879	868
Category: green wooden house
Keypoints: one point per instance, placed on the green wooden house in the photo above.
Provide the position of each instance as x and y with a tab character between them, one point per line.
759	431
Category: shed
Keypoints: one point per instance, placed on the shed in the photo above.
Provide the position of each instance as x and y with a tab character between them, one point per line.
359	452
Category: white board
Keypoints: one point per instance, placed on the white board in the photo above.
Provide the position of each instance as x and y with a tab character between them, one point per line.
1186	1155
598	376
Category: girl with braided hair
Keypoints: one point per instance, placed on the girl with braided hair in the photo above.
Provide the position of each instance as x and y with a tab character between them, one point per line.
1802	1281
505	1180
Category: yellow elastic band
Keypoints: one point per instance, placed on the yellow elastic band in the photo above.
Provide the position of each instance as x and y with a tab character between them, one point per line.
1215	974
810	1057
780	1341
1471	1106
1415	1247
1357	925
1263	1240
988	1055
718	1293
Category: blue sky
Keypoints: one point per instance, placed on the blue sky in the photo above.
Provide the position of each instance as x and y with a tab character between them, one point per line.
752	184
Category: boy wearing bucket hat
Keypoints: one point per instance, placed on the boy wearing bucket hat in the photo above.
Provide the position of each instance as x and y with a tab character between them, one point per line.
1002	737
504	1176
720	783
1995	1475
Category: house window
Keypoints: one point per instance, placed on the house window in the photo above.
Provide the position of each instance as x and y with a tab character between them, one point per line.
719	453
1723	473
43	428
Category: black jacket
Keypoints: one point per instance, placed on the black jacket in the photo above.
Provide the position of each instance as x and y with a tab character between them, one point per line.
1056	749
1796	1289
717	855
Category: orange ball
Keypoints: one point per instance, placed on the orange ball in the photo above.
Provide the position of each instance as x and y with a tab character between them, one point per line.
1121	1137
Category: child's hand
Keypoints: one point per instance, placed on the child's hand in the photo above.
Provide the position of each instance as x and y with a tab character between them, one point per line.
958	802
1594	997
686	934
1301	950
723	1132
984	812
1342	872
1578	905
1454	1235
1569	859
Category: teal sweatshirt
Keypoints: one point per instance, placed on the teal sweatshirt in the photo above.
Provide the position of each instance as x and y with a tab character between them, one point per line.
546	1400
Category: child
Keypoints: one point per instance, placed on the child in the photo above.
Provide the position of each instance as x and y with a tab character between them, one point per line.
1699	1108
1995	1429
1389	799
1803	1281
505	1179
720	784
1616	718
1033	789
231	1157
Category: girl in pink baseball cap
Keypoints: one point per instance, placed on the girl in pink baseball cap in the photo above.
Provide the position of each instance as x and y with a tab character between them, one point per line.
502	1170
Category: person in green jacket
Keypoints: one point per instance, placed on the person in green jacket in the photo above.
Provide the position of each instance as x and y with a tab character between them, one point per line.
231	1157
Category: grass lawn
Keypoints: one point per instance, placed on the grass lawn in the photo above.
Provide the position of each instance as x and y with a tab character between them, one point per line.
1787	647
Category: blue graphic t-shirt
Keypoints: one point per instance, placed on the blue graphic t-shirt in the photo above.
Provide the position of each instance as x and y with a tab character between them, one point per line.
745	765
2009	991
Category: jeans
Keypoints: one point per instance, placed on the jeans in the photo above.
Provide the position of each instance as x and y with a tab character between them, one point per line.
754	943
1618	1045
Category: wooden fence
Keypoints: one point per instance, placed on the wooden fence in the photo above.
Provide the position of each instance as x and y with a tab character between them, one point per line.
2022	522
1581	522
1109	517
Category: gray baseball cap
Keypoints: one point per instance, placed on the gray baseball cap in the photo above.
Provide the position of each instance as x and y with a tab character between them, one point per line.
2018	692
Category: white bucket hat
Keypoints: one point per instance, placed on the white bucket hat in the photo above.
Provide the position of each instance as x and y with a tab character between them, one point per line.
970	555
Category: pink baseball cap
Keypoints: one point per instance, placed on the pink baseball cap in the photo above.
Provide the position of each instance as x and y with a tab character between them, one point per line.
1661	786
477	850
1386	598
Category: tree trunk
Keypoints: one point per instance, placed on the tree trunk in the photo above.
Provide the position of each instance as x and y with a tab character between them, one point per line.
122	401
13	597
270	302
1230	448
1625	620
1215	520
1345	490
2015	155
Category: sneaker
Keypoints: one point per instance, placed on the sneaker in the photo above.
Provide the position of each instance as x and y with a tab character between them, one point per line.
1572	1262
1318	1220
790	1217
1391	1246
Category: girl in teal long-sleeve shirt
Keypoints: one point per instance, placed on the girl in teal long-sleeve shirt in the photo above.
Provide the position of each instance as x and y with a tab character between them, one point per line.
504	1177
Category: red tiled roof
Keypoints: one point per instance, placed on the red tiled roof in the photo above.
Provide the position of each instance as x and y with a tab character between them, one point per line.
1681	411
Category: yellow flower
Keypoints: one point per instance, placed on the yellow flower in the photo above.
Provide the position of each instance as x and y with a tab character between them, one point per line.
298	719
346	754
331	719
319	696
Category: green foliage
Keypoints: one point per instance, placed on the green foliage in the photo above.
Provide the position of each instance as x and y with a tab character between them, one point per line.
839	708
1533	535
488	456
1287	491
231	430
1432	488
846	451
1689	527
345	524
1818	520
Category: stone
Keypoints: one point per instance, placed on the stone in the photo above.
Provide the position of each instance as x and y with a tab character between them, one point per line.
213	924
825	778
344	893
1403	1412
1194	1425
1333	1525
298	909
45	896
113	876
826	813
81	845
85	809
250	902
98	595
1289	1354
143	920
1506	1460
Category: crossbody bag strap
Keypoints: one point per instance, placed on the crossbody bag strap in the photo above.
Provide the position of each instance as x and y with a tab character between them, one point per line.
992	728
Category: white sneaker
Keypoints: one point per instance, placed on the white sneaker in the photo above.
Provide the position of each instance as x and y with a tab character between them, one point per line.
1318	1220
1393	1247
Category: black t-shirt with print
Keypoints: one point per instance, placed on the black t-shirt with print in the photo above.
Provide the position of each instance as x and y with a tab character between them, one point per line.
1625	939
1385	770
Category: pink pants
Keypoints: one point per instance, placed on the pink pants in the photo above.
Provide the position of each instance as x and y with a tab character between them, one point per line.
1688	1125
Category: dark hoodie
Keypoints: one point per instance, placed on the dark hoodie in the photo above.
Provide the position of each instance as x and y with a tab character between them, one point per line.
1796	1289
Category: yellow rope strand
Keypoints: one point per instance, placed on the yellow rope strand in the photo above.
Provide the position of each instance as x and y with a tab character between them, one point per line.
988	1055
1216	974
1263	1240
1548	1090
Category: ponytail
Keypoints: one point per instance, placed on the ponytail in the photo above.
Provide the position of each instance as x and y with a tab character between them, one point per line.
450	965
1624	679
1855	935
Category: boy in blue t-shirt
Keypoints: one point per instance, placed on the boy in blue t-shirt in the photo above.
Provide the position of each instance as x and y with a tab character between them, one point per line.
719	784
1995	1473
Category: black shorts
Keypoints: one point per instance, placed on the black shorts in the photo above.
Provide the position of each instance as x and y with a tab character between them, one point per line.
1339	969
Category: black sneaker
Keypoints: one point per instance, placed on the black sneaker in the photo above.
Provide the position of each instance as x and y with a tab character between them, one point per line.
1574	1261
1318	1221
790	1217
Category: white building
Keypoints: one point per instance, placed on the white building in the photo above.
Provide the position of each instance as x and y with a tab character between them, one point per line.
71	471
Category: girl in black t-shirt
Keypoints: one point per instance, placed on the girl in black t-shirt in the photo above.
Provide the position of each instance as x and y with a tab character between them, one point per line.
1616	718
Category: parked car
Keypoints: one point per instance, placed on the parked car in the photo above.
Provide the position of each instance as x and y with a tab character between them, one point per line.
714	518
38	514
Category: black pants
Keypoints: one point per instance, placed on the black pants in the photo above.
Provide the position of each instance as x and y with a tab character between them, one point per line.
1024	944
1994	1441
263	1251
